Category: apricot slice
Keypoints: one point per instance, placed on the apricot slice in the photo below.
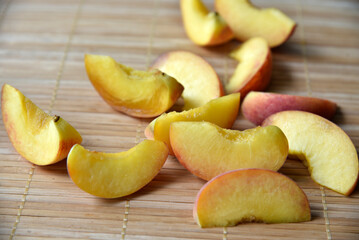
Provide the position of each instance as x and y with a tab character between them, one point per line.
203	27
254	68
135	93
323	147
222	111
207	150
200	81
38	137
257	106
250	195
113	175
247	21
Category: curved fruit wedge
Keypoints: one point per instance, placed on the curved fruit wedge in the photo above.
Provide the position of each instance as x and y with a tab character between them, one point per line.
247	21
257	106
254	69
200	81
203	27
38	137
222	111
250	195
135	93
207	150
113	175
325	148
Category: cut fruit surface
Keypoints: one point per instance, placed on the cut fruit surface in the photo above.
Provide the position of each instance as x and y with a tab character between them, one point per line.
222	111
136	93
38	137
257	106
207	150
113	175
203	27
200	81
247	21
254	69
250	195
325	148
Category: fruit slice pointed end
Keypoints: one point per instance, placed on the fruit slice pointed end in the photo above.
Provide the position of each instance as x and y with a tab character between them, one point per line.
325	148
207	150
247	21
200	81
257	106
113	175
135	93
149	130
254	69
203	27
222	111
38	137
250	195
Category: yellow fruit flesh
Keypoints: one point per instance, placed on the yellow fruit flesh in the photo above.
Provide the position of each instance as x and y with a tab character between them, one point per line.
136	93
328	152
204	27
247	21
250	195
200	81
37	136
221	111
251	56
112	175
208	150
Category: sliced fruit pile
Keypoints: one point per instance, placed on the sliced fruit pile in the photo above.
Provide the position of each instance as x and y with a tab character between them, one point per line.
240	166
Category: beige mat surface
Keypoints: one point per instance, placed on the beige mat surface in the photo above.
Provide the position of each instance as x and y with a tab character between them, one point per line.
42	45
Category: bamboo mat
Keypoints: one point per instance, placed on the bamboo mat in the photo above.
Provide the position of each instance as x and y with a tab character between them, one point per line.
42	45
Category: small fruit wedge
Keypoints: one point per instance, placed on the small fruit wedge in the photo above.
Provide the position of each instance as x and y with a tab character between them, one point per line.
207	150
250	195
325	148
135	93
254	69
222	111
203	27
113	175
38	137
200	81
257	106
247	21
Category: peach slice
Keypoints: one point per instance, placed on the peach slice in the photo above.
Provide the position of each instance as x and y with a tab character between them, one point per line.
203	27
325	148
257	106
250	195
207	150
38	137
113	175
247	21
200	81
222	111
135	93
255	67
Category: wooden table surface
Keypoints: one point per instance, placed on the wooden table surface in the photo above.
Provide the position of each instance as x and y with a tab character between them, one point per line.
42	45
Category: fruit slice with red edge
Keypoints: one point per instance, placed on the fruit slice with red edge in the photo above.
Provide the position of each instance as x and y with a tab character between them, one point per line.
207	150
200	81
135	93
247	21
38	137
257	106
324	148
254	68
250	195
203	27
